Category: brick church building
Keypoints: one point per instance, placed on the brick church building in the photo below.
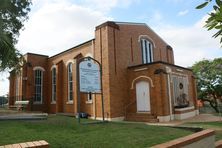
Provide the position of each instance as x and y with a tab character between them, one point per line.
140	80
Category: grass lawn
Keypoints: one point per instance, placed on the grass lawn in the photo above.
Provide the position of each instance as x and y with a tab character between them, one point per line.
62	131
217	126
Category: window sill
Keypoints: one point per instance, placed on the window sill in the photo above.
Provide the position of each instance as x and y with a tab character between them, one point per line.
69	102
89	102
37	103
53	102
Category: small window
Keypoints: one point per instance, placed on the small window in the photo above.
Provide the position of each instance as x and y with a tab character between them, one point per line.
53	84
147	51
38	85
70	82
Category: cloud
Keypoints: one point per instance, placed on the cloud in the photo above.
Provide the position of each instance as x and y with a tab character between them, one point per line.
190	44
58	25
182	13
175	1
106	6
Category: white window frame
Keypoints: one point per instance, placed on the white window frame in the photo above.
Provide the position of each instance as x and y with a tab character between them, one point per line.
41	86
70	73
53	72
147	51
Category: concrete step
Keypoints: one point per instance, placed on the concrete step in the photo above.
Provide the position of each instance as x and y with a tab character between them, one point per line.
24	116
141	117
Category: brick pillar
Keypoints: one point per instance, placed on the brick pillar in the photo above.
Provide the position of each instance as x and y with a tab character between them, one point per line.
59	87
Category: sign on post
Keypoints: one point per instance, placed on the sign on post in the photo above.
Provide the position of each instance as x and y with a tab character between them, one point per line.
89	80
89	75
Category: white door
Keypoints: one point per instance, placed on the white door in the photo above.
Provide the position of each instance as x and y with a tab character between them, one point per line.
142	96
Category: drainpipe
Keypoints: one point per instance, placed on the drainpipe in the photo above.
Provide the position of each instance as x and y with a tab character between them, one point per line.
168	70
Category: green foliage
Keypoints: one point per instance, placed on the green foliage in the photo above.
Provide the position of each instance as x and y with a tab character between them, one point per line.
215	18
61	131
209	80
13	13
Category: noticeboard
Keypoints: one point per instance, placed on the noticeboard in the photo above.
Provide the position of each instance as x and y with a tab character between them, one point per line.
89	76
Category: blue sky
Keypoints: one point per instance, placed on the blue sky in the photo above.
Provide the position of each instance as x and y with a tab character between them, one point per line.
56	25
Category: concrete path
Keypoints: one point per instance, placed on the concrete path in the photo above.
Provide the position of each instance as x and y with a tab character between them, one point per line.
198	118
6	114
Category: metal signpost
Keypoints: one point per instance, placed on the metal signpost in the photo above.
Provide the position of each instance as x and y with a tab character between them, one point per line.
89	80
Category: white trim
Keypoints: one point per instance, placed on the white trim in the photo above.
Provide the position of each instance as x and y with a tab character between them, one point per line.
184	109
149	38
38	67
176	73
164	118
70	61
53	66
185	115
89	102
141	69
151	82
179	70
69	102
169	95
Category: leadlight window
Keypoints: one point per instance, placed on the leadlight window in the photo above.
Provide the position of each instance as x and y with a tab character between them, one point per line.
38	85
53	84
147	51
70	82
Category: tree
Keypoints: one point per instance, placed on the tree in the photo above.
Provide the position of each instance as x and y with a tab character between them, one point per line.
13	13
209	81
215	18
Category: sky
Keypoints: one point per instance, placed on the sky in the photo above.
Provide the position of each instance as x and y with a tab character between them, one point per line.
57	25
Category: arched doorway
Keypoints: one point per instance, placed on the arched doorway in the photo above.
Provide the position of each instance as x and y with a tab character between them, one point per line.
143	96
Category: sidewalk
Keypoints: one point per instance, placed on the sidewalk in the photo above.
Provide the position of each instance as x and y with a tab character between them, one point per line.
198	118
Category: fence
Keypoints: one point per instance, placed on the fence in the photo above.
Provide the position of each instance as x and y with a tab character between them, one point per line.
207	109
3	101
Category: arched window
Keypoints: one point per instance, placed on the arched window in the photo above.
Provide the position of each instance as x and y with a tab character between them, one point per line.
147	51
38	85
70	82
53	84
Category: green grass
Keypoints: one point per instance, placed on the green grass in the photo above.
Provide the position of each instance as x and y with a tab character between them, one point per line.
61	131
217	126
